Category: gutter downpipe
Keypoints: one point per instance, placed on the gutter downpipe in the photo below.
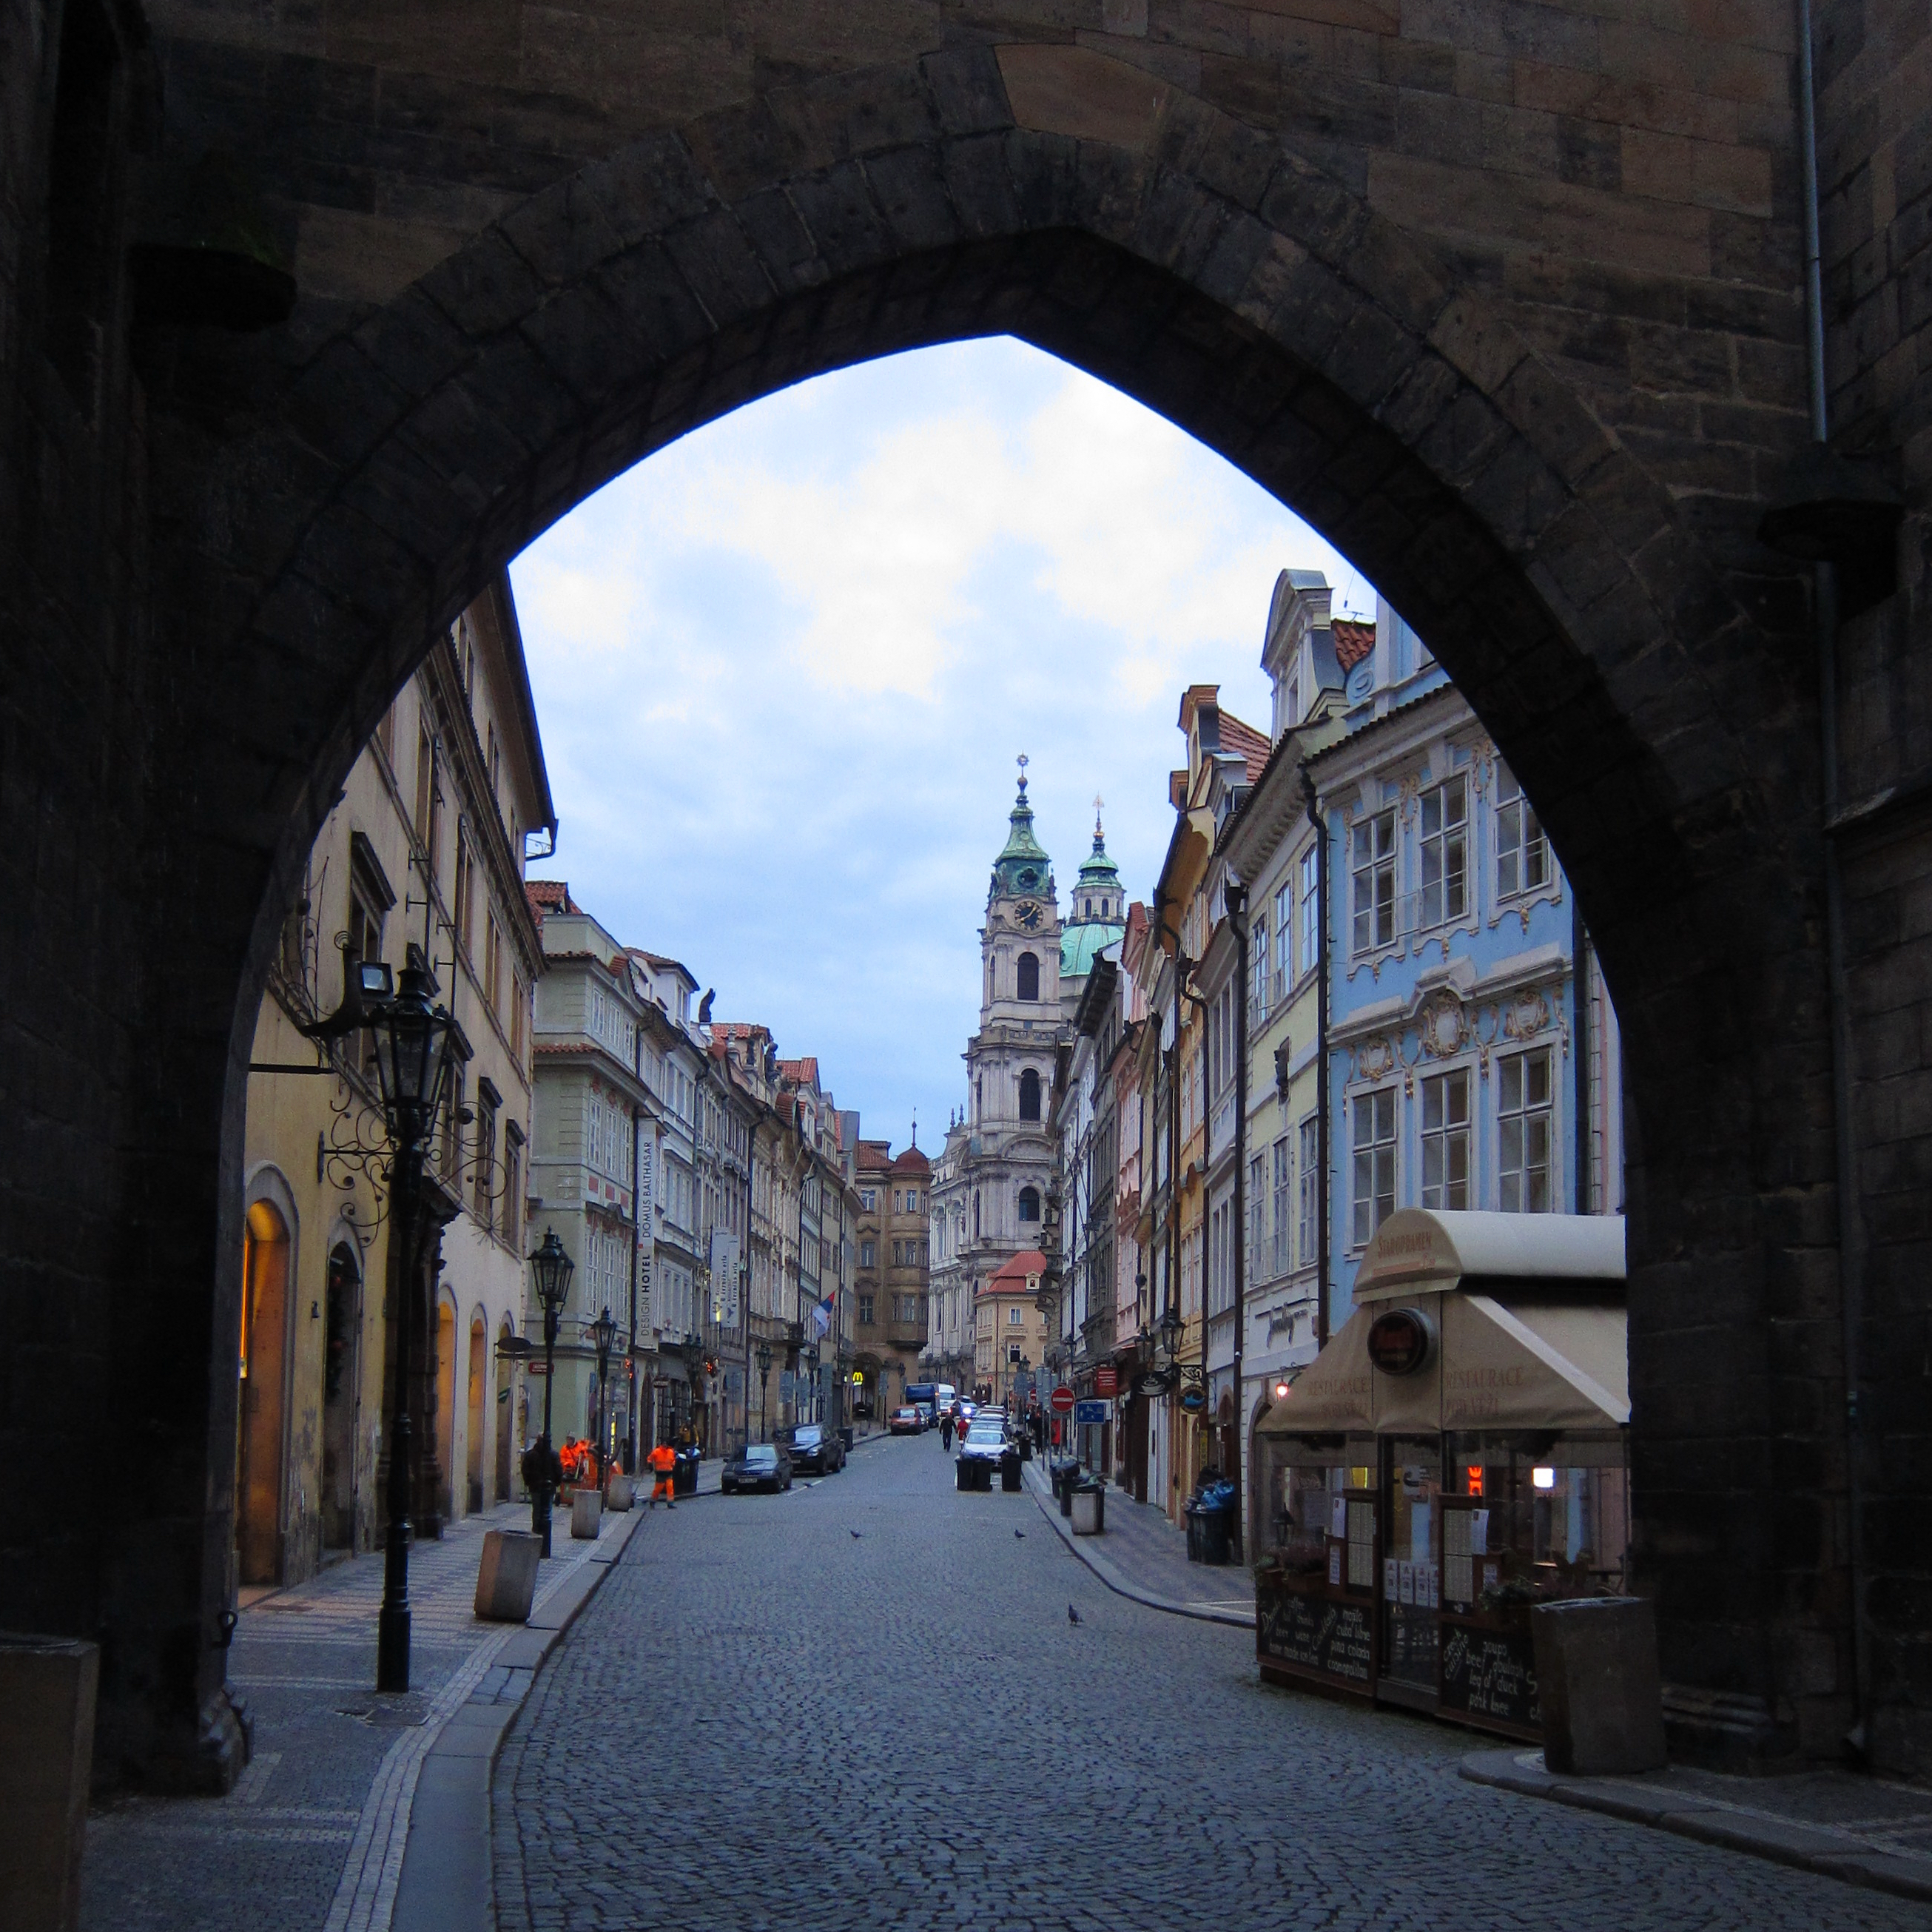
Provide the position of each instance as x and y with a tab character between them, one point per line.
1236	897
1324	1206
1825	621
1172	1299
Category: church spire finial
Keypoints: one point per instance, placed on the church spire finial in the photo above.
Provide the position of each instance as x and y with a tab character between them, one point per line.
1099	840
1022	761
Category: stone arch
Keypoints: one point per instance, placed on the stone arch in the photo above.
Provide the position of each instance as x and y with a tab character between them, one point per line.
378	463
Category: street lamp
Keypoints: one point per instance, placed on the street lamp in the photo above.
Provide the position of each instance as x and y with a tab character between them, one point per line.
553	1269
764	1383
809	1361
1170	1331
603	1334
413	1042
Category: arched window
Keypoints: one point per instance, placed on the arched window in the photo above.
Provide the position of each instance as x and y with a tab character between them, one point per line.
1029	1095
1029	987
976	1214
1029	1203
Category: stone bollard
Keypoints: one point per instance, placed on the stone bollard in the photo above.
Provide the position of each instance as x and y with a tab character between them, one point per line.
618	1493
47	1689
586	1516
1597	1682
506	1579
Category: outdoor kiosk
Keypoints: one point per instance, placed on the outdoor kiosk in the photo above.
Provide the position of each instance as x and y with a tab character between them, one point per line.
1456	1453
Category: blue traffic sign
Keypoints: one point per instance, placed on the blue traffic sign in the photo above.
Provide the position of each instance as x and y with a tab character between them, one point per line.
1087	1414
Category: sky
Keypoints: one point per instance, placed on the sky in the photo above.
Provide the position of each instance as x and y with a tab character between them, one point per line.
783	668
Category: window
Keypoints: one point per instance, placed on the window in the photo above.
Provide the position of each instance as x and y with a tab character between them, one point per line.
512	1222
425	782
1445	1141
868	1199
466	885
1284	925
868	1255
1014	1317
1372	865
1310	1201
1029	1095
1259	946
1029	978
1029	1203
1445	852
486	1159
1257	1217
866	1310
1522	853
1374	1162
1284	1179
1311	910
492	963
1523	1122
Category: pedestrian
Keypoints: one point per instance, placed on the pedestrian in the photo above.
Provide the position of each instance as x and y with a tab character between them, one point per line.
946	1432
663	1460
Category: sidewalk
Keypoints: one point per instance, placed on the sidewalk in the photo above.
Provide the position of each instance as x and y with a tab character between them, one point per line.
315	1832
1836	1823
1140	1555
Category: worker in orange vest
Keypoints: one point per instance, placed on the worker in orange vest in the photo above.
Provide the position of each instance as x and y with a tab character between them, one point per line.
663	1461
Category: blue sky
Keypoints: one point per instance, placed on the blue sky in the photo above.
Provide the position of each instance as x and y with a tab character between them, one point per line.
782	669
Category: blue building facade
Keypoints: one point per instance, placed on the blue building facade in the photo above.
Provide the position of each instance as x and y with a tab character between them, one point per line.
1465	1070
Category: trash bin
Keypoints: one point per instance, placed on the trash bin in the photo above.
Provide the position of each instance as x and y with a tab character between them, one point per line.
845	1436
1210	1532
506	1576
1089	1511
684	1474
1009	1474
962	1473
1068	1472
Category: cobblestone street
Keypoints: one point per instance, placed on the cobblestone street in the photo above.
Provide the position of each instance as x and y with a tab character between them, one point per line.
863	1704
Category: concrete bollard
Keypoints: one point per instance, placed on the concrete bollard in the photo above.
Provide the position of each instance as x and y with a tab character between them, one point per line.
1597	1682
587	1515
618	1493
48	1685
506	1579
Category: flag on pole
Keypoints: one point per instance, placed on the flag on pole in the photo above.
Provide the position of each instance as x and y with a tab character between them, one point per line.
821	1315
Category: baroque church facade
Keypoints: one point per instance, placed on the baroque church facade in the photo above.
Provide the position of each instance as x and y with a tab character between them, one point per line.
992	1180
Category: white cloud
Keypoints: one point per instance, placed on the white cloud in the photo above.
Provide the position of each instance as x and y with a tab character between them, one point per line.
783	666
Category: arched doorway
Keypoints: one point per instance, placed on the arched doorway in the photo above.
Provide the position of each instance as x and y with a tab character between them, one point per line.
506	1422
446	1411
261	1436
477	1430
341	1396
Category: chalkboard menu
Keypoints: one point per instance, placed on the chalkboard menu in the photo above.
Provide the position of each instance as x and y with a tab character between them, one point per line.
1318	1635
1488	1676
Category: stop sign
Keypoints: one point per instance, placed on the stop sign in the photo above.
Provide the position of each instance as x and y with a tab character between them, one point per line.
1062	1399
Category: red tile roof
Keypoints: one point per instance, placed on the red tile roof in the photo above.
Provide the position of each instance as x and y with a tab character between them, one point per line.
805	1071
545	895
1252	745
1013	1272
912	1161
1353	640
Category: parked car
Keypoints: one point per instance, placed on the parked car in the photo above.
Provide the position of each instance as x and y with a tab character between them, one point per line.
983	1450
907	1421
814	1446
764	1466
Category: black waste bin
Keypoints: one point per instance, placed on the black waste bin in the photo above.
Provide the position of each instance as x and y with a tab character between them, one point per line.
962	1473
845	1436
684	1475
1069	1473
1010	1473
1210	1534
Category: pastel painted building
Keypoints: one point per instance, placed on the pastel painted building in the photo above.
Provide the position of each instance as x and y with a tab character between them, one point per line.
1462	1072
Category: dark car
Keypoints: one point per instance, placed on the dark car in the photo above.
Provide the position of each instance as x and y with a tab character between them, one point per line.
814	1446
764	1466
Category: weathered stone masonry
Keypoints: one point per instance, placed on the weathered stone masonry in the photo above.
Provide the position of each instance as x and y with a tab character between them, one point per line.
1503	298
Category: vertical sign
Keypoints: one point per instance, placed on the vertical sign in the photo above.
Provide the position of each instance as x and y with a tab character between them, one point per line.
725	1277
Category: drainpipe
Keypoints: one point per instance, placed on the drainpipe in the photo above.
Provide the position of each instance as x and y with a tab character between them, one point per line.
1824	622
1323	1207
1579	1004
1236	897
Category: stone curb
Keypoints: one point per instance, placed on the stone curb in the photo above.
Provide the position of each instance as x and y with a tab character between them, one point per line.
1815	1848
446	1883
1104	1567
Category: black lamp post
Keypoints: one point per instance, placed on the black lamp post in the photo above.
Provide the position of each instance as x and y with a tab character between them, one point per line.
809	1361
553	1269
1170	1332
413	1041
764	1383
603	1334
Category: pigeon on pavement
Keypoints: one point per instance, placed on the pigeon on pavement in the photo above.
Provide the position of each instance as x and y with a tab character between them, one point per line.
856	1535
1073	1615
1021	1534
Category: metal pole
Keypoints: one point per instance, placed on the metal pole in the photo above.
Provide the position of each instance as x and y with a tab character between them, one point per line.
392	1620
1322	1205
540	1504
1237	911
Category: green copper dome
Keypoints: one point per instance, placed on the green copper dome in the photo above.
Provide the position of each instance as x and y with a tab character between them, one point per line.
1081	944
1022	867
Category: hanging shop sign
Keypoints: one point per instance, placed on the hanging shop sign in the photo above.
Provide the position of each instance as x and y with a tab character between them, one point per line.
1401	1341
1106	1380
1154	1382
1194	1399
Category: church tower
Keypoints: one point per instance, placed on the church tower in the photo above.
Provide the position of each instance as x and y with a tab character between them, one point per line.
1099	919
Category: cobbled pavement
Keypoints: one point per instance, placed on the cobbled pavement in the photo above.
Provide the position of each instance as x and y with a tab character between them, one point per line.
762	1720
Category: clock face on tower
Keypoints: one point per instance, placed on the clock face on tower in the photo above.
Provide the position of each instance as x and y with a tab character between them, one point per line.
1028	915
